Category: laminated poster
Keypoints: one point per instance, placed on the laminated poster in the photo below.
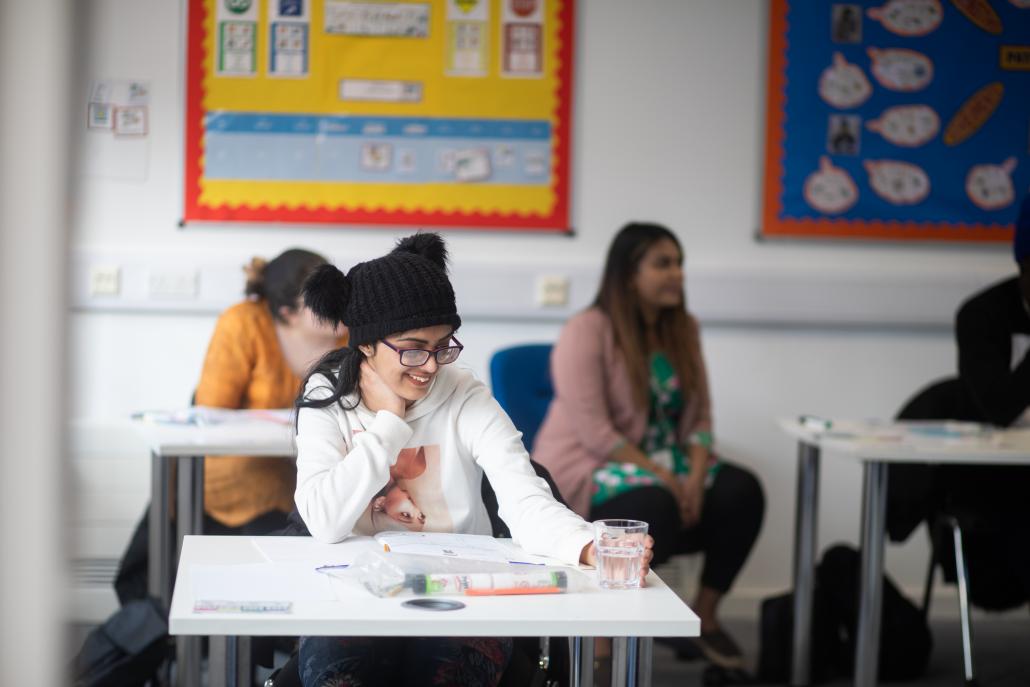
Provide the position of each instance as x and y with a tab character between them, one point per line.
446	113
897	119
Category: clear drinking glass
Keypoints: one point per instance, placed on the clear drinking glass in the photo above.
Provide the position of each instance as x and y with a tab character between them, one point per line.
620	552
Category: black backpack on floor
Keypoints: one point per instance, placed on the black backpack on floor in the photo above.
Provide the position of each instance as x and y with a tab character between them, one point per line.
905	639
126	650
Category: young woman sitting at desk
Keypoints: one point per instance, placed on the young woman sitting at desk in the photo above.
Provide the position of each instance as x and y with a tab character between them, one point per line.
629	432
389	413
260	350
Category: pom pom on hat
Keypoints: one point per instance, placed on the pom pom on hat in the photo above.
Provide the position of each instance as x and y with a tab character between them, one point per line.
428	245
327	292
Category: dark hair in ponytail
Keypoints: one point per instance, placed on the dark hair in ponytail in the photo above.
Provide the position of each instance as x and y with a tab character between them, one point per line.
326	292
279	282
342	368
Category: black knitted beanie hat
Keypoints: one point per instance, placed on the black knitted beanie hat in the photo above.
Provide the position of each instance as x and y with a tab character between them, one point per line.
405	289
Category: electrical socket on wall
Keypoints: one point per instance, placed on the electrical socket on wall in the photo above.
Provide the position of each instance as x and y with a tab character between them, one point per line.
172	284
104	280
552	291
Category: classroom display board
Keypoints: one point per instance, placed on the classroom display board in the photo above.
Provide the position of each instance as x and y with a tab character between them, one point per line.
449	113
897	119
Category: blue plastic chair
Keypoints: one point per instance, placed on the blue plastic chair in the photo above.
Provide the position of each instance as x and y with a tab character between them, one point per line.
521	380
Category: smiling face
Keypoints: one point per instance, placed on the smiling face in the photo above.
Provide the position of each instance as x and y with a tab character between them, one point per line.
658	281
410	383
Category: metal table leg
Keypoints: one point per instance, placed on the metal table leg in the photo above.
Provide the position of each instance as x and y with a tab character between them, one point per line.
874	514
805	523
229	662
646	654
160	547
159	553
620	661
190	520
582	661
963	601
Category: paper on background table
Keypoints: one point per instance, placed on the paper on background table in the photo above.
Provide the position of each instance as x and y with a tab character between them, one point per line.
206	416
307	550
260	582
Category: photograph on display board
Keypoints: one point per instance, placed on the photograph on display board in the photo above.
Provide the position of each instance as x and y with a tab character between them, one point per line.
879	126
448	113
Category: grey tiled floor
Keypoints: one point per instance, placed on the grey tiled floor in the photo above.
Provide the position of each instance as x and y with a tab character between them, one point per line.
1002	654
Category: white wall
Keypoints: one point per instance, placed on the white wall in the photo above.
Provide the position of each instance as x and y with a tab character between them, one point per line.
669	107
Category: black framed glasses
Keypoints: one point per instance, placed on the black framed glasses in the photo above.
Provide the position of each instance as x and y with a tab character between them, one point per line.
415	357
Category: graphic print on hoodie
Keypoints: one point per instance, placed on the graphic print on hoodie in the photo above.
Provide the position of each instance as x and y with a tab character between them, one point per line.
413	498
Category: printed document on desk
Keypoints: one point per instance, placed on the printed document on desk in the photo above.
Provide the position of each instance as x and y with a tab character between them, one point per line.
473	547
311	552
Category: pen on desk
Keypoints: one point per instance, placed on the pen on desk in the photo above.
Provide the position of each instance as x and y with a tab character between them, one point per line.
327	568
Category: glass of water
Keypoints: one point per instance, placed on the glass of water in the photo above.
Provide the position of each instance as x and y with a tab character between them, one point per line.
620	552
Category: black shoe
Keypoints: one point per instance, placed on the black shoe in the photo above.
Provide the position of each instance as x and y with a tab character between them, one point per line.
602	671
719	648
714	676
686	648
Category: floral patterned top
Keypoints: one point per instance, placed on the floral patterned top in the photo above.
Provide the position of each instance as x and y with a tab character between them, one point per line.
659	442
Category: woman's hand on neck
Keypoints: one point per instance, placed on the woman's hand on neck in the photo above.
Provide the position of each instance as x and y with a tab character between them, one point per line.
377	395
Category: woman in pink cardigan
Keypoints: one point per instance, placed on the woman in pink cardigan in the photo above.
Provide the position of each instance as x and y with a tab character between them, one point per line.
629	432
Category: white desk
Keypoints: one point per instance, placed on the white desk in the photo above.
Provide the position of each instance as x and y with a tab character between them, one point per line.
632	617
177	471
875	445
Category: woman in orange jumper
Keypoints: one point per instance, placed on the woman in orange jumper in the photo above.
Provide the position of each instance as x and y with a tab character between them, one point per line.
260	350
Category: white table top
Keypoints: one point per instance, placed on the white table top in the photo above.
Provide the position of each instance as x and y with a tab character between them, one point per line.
654	611
916	441
230	432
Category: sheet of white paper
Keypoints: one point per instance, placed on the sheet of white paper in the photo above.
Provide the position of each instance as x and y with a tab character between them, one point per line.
260	582
206	416
473	547
308	551
515	553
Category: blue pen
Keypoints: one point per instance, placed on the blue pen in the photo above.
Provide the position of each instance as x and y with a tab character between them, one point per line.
327	568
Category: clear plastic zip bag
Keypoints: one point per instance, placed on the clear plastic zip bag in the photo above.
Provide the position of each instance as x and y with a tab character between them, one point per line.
398	574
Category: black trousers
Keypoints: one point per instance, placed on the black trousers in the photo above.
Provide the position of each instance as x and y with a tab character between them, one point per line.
992	503
731	517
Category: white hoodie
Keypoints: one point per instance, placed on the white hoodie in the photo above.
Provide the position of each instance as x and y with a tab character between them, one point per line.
350	481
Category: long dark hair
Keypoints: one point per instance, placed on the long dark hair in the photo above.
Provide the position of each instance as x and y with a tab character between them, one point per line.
675	331
279	282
